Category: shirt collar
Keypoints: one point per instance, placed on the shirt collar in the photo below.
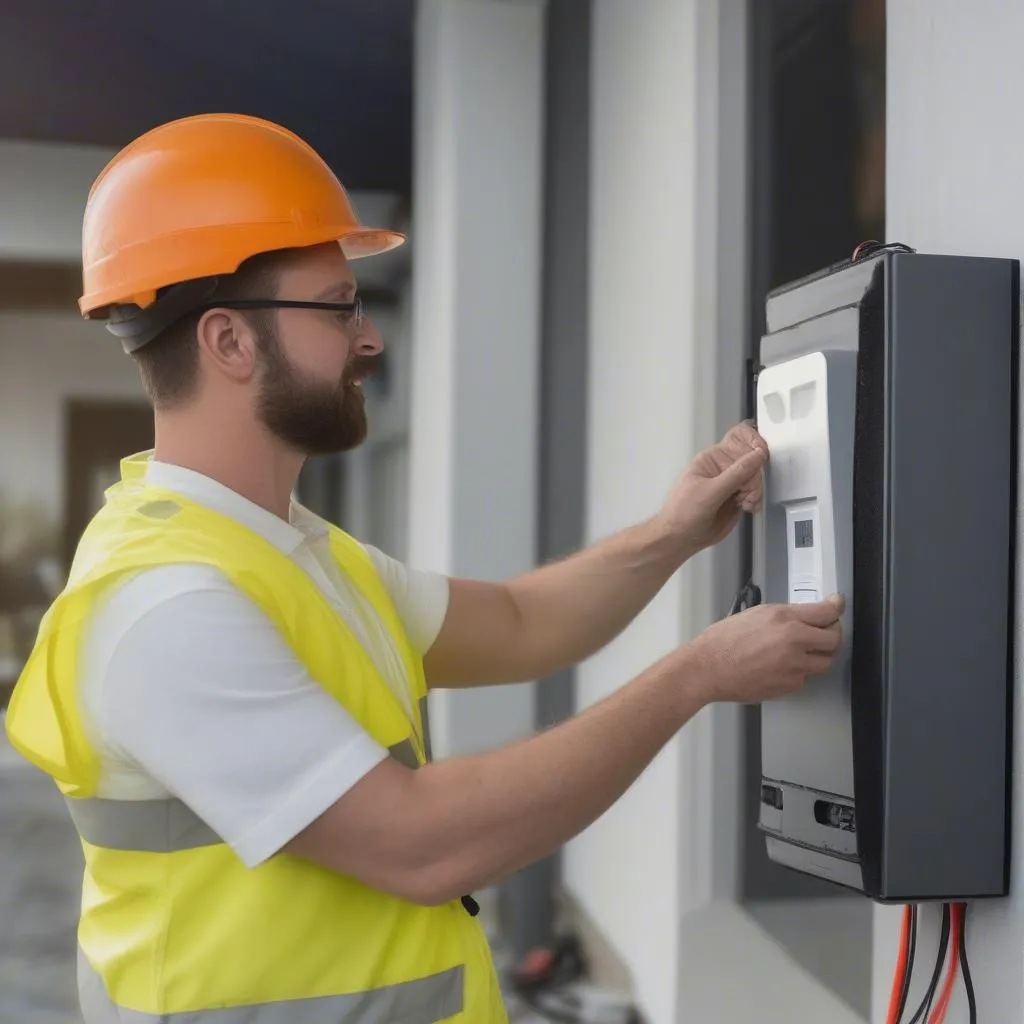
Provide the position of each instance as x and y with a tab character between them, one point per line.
285	536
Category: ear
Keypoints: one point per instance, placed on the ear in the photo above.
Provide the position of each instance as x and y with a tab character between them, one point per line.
227	344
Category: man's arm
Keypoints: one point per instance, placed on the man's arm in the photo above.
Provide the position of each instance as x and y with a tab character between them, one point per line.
562	613
551	617
430	835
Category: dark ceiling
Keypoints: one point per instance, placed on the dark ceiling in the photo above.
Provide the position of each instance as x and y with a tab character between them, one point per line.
337	72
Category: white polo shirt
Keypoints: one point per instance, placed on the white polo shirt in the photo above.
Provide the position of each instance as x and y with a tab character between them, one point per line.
188	690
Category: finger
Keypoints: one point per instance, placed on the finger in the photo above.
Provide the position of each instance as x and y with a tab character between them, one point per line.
818	664
739	474
743	436
817	640
746	434
751	497
793	681
820	613
831	639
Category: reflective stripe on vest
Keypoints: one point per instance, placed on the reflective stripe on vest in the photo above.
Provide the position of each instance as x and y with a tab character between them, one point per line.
423	1001
161	826
147	826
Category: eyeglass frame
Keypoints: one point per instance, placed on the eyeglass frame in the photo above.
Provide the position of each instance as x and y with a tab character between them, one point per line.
356	306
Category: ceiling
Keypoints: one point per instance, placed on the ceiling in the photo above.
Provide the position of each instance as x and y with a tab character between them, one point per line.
337	72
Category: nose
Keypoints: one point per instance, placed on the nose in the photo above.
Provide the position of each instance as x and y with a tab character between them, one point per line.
369	341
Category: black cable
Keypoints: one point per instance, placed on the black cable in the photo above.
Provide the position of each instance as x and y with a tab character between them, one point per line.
911	950
965	969
940	959
749	595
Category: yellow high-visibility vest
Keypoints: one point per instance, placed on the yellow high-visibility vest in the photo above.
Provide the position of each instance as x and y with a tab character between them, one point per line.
174	928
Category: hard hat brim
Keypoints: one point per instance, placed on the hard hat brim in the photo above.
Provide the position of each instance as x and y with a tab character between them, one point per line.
370	242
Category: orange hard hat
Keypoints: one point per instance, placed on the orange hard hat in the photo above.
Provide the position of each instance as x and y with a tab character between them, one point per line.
196	197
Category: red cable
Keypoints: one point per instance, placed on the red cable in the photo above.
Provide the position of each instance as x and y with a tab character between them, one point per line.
856	252
892	1017
939	1013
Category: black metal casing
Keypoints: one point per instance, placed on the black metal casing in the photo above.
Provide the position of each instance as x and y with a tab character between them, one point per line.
928	680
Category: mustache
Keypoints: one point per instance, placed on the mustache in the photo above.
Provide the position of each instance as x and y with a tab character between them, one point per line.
360	367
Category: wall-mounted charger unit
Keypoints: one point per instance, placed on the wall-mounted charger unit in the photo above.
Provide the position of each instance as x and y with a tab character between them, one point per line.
887	393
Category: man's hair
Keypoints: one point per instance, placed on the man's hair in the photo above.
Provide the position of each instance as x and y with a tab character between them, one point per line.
169	364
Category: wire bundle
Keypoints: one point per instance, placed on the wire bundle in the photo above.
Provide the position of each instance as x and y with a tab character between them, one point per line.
954	926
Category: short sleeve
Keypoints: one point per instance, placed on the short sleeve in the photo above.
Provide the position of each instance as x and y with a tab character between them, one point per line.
420	597
203	693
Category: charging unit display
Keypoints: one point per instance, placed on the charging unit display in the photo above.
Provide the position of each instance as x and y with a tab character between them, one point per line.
886	391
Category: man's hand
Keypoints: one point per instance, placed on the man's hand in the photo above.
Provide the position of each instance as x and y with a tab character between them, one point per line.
719	483
769	651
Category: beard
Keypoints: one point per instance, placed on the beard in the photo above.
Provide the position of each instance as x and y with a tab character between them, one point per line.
311	416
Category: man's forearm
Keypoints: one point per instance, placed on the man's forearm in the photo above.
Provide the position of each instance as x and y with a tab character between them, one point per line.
572	608
554	616
478	819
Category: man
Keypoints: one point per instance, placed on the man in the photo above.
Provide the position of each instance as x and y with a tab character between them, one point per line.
230	693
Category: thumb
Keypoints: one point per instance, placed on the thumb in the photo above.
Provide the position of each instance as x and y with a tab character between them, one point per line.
821	613
739	474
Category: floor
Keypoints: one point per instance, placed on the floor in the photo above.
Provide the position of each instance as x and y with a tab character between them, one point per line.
40	872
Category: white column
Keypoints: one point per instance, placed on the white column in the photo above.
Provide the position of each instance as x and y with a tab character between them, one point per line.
476	286
669	845
954	158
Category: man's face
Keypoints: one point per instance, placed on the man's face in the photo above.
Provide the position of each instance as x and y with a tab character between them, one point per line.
314	361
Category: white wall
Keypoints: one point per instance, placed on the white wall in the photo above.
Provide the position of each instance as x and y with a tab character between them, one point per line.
630	871
476	311
43	188
955	156
45	358
377	473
